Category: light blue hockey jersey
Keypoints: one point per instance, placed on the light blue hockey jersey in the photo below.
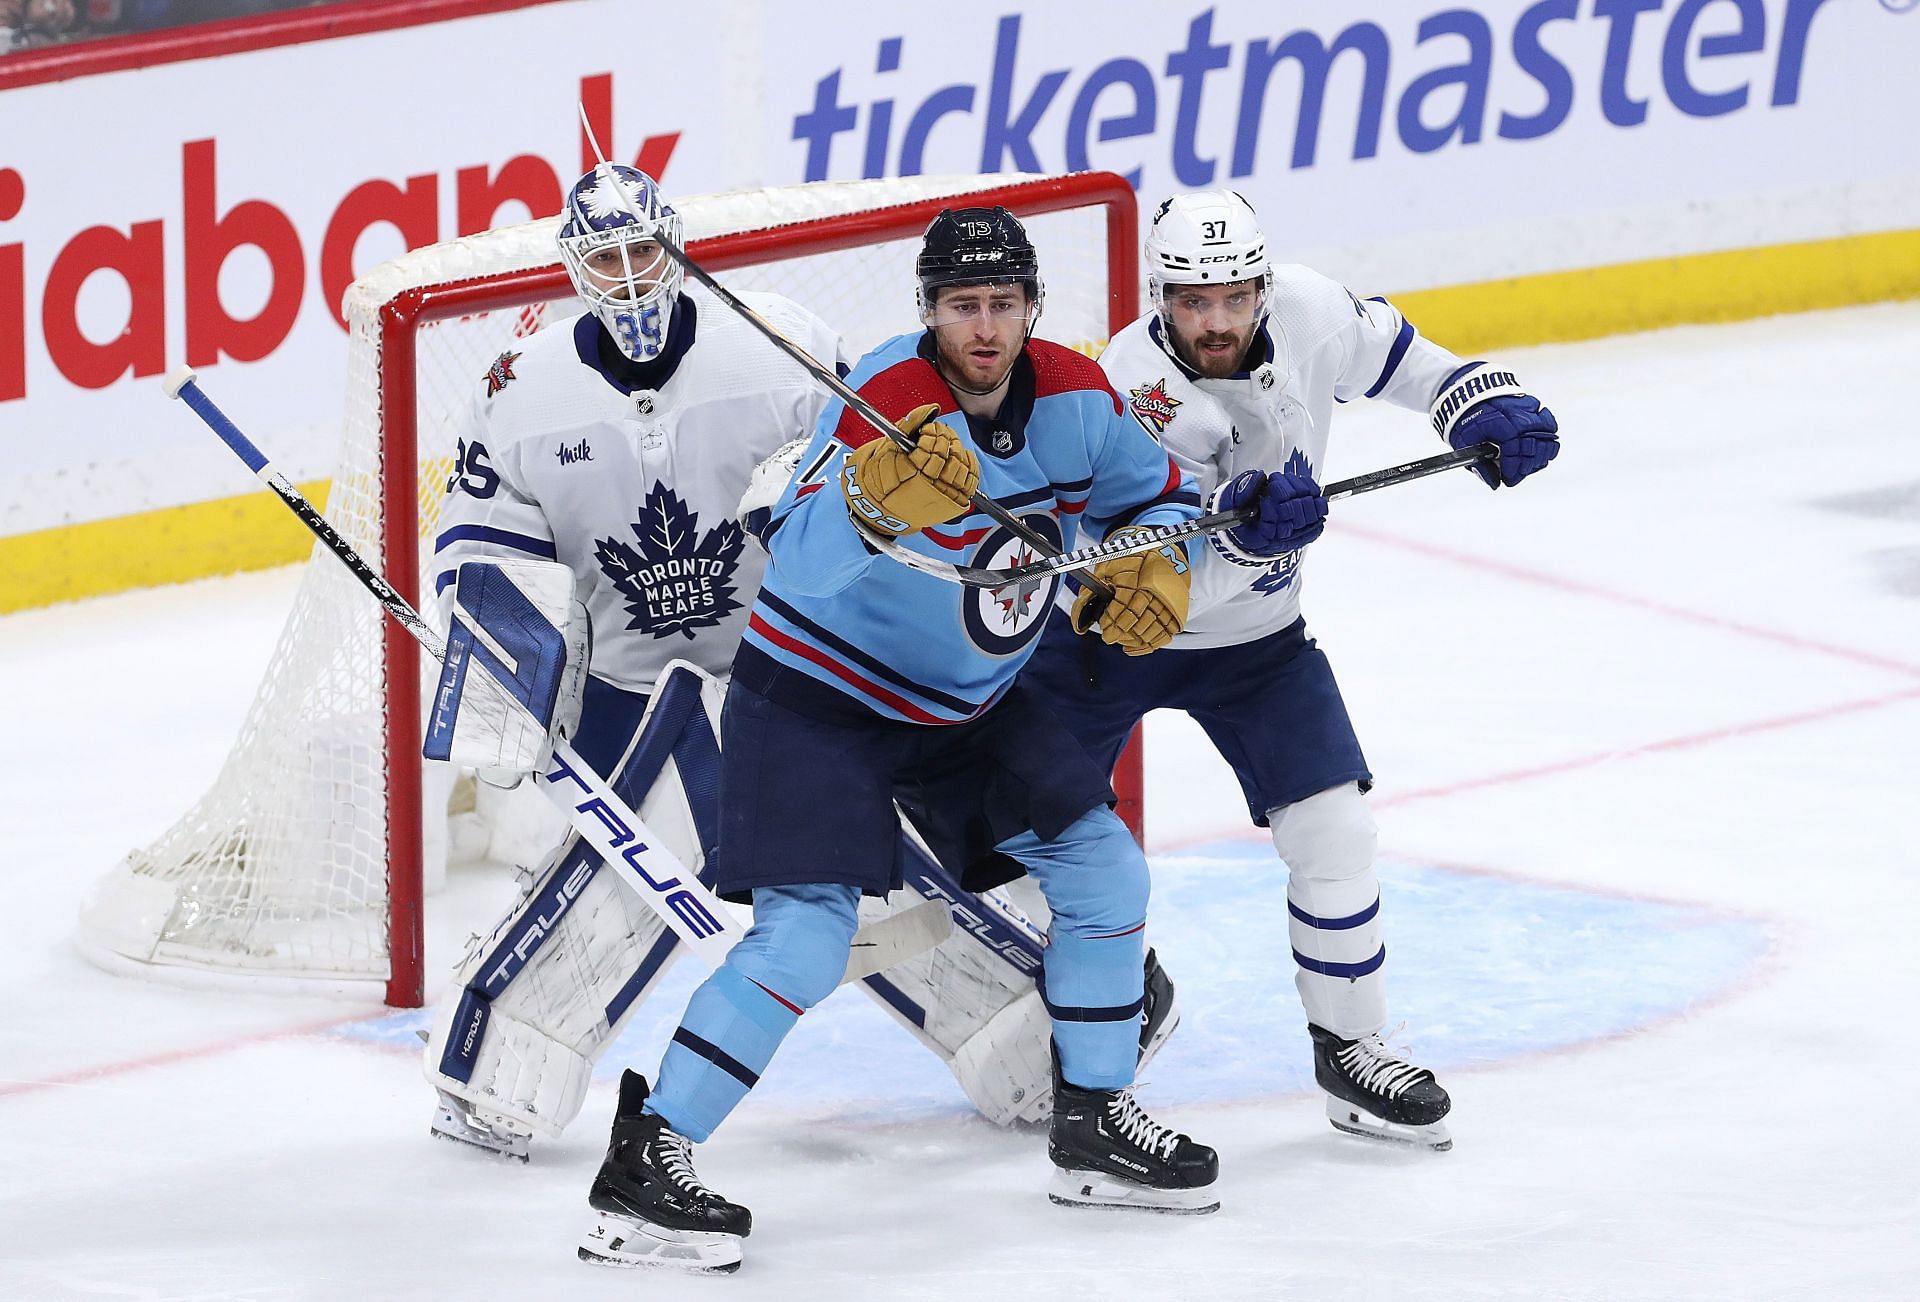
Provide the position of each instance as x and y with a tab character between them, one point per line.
903	643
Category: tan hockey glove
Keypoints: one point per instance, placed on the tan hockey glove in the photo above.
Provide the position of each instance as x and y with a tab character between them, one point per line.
1149	599
895	492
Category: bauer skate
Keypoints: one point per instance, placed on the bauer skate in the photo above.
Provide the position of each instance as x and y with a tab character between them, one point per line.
652	1208
1374	1093
1107	1152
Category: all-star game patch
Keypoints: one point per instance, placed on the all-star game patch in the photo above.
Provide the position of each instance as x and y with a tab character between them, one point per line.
500	374
1152	407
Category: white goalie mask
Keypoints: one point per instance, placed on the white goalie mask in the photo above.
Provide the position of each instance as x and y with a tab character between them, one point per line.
1210	237
625	277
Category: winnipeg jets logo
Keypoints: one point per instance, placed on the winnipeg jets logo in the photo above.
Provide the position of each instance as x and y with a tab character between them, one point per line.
500	374
1153	407
1003	621
679	579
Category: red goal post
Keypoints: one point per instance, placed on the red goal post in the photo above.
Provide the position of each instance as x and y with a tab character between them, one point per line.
304	862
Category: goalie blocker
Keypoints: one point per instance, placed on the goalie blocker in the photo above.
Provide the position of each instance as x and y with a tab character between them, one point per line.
538	1000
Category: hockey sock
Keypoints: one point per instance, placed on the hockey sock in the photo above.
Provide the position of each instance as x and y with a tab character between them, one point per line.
791	959
1095	881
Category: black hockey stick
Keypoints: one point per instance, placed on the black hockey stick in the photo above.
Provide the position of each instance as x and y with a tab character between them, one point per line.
839	388
602	817
1160	535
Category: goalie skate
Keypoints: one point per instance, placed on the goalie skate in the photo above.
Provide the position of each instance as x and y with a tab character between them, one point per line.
1375	1094
458	1120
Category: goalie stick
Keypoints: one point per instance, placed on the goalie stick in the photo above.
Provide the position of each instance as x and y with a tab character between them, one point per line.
601	817
1147	539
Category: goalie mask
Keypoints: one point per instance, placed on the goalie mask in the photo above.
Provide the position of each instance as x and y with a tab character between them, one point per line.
1208	238
625	277
977	246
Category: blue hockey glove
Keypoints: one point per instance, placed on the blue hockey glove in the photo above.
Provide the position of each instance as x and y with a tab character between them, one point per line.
1292	512
1479	404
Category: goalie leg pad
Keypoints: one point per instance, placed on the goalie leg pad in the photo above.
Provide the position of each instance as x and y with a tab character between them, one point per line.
537	1001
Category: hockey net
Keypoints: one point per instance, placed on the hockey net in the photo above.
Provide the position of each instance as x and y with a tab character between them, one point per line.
302	863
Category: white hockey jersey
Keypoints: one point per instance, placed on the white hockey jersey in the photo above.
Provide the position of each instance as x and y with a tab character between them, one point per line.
1326	345
630	474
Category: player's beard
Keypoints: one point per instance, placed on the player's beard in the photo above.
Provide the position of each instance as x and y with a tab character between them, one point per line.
1223	362
961	369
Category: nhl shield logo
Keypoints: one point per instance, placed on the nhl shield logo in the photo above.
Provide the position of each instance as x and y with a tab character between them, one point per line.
1153	407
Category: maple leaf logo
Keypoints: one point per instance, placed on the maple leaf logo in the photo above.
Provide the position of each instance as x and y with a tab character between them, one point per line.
677	579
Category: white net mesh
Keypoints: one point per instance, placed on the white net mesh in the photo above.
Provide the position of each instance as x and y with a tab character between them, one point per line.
282	868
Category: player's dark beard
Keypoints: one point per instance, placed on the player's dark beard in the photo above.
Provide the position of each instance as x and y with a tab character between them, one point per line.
1232	339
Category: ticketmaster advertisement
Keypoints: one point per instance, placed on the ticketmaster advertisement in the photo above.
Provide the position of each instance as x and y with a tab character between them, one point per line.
214	210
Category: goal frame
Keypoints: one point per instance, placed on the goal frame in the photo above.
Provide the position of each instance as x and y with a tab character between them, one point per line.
401	318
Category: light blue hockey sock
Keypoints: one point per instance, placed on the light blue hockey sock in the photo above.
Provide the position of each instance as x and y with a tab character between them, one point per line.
1095	881
792	958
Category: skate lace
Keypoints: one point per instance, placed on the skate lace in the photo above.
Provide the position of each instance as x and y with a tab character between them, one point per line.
1374	1066
1139	1129
675	1154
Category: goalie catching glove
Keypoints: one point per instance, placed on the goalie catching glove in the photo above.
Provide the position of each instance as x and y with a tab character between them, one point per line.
893	491
516	668
1149	601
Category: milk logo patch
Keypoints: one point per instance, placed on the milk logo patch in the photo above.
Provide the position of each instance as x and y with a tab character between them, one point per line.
1153	407
678	578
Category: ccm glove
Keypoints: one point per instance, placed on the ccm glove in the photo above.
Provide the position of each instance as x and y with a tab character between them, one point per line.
1149	598
1478	404
895	492
1291	512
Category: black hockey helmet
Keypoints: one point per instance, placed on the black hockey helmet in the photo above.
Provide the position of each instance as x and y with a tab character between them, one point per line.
976	246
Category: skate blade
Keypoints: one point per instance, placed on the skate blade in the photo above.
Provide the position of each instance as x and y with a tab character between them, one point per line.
617	1241
1352	1119
448	1126
1097	1189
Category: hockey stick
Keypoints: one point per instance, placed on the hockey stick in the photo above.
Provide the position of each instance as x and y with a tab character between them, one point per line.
596	811
839	388
1035	572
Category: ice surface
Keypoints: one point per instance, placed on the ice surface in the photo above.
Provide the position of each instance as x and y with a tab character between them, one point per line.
1648	739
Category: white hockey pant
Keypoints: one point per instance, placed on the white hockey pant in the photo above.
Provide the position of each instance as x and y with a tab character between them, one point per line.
1327	842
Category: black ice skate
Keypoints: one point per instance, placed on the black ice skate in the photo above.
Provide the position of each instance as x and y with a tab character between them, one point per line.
467	1123
1159	1013
653	1210
1373	1092
1107	1152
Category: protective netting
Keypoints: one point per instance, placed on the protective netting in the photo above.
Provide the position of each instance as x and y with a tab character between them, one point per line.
282	868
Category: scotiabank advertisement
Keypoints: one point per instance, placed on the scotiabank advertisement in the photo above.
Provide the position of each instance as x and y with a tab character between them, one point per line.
213	210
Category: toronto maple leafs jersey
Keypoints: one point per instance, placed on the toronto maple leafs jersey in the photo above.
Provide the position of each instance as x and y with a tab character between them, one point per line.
904	644
630	473
1321	345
